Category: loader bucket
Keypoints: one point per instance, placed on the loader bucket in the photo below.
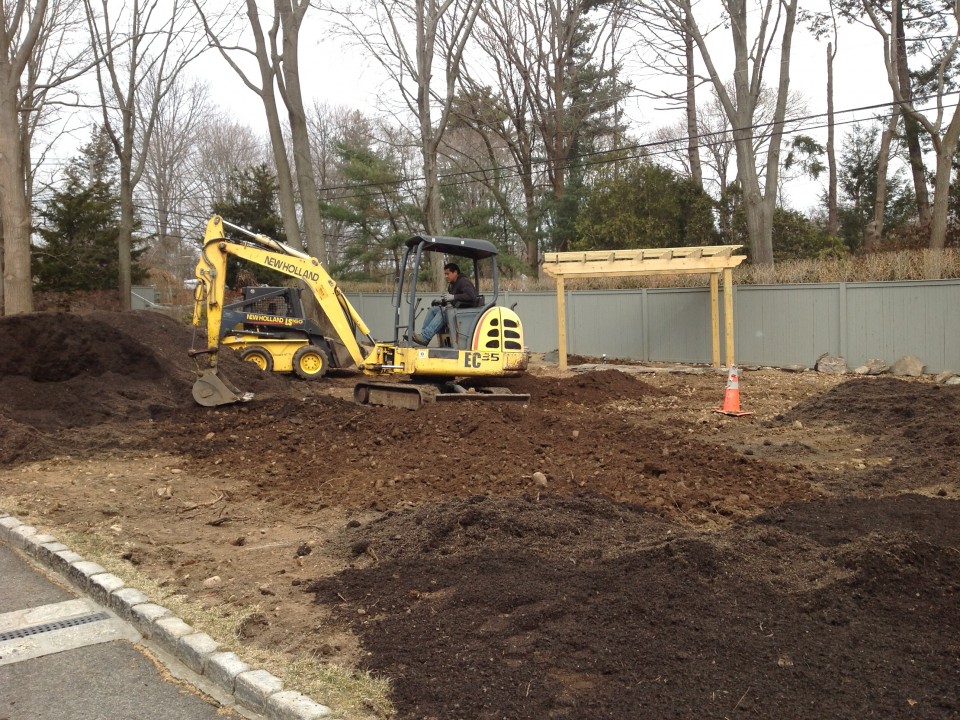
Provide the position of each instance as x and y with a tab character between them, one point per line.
211	390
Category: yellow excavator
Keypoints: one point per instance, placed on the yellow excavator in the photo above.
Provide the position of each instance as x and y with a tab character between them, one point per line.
269	327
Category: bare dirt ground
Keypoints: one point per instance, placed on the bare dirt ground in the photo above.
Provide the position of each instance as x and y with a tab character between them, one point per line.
670	562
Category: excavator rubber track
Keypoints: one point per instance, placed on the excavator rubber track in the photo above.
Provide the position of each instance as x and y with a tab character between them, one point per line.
412	397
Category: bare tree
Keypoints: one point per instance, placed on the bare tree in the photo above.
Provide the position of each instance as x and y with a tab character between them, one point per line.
873	232
140	53
501	116
671	50
776	20
37	59
276	53
417	41
332	129
167	178
941	126
554	98
223	146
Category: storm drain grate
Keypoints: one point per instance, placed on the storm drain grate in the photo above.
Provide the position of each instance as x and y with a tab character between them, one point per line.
55	625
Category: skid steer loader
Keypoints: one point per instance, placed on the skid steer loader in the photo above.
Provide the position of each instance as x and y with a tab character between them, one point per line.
484	341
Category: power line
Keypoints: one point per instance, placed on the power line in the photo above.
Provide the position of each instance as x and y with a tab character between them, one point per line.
601	157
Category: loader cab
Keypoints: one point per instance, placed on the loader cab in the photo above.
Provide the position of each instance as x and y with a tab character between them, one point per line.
478	262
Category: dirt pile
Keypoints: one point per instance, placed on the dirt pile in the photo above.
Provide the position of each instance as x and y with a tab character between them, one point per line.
613	549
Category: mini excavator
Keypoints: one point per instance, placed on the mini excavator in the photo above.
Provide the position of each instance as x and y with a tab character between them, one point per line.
270	328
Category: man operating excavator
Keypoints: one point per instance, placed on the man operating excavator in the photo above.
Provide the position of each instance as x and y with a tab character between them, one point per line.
460	292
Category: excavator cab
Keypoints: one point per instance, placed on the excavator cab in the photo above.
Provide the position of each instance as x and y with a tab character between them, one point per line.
461	322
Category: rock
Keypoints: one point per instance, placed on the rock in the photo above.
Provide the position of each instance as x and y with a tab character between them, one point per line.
212	582
831	364
955	380
575	434
873	367
797	425
539	479
945	377
909	365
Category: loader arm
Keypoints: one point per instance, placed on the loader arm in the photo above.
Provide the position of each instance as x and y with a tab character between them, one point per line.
211	271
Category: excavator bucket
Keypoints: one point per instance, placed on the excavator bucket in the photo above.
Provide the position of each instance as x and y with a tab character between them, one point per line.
211	390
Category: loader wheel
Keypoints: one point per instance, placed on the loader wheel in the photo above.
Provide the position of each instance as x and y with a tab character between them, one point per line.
310	362
259	357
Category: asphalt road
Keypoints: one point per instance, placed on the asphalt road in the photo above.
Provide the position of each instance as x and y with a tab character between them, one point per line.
63	656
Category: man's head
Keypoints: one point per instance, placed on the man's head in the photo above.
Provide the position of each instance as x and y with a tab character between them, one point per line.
451	271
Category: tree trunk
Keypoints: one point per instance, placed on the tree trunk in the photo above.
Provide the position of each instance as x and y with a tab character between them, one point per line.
748	82
693	140
946	150
874	229
910	126
759	211
125	238
293	98
833	222
14	211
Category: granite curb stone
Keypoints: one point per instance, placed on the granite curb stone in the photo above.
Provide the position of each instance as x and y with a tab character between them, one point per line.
102	585
169	630
33	544
252	688
146	615
125	599
223	668
62	561
255	690
81	571
7	523
20	533
194	649
291	705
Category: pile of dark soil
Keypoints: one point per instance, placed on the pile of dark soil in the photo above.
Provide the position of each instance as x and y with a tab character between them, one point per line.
613	549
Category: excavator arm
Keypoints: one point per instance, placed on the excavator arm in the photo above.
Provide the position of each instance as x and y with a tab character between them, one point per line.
211	271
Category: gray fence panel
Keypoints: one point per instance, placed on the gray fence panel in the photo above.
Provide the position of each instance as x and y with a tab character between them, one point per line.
774	324
598	324
538	314
890	320
678	325
786	324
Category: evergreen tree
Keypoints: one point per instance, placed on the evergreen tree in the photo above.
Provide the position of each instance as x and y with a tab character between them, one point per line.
372	211
252	203
80	225
857	185
648	206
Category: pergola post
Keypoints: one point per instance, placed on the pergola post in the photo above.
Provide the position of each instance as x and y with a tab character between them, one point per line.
562	323
715	318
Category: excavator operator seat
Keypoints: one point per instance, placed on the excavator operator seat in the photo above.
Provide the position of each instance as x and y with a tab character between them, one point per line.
461	323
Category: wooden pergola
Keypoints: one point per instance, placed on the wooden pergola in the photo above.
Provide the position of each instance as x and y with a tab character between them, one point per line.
712	259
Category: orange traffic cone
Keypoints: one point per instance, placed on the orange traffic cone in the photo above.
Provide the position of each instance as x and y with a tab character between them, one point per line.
731	397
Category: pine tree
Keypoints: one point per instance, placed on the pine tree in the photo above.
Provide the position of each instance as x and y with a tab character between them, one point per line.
252	203
79	226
